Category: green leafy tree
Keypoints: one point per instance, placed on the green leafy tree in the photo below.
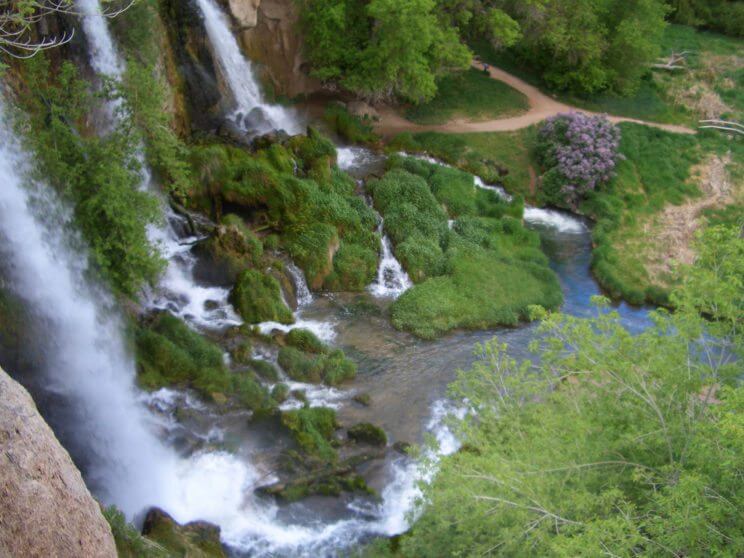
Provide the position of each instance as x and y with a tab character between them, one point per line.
613	444
382	49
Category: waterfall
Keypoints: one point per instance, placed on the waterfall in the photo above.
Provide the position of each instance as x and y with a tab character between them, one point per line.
251	110
103	54
81	345
302	291
392	280
178	292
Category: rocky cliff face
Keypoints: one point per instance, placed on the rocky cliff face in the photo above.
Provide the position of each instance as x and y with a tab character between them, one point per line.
269	33
46	509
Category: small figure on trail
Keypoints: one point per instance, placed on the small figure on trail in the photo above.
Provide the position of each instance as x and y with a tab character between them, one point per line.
485	67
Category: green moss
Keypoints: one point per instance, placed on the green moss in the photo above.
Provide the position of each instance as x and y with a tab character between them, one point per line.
313	429
472	95
312	248
305	340
280	393
485	272
264	370
258	298
170	353
129	542
197	539
366	433
354	268
331	368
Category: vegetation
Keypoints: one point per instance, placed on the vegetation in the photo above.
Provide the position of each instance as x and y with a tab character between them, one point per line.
330	367
100	176
706	88
381	47
170	353
317	217
612	442
721	15
130	543
656	174
366	433
471	95
351	128
146	92
487	271
258	298
578	153
313	428
497	157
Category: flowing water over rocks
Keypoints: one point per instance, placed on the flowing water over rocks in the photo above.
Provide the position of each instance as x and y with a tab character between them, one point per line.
171	450
251	111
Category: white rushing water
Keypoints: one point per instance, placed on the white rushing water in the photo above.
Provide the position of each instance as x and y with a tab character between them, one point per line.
82	342
238	73
205	306
392	280
103	54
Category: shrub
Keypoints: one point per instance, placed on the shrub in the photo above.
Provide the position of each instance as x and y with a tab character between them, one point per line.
264	370
258	298
583	149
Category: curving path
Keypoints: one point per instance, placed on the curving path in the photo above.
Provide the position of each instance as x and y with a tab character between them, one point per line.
541	107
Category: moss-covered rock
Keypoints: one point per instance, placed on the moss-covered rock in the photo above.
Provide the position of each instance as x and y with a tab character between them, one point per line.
258	298
331	368
264	369
367	433
197	539
280	393
313	429
169	353
305	340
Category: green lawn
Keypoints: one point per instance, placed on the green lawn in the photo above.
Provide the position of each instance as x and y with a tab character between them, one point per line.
472	95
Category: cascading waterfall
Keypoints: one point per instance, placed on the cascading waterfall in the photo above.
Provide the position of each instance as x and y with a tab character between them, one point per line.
392	280
84	356
178	292
251	110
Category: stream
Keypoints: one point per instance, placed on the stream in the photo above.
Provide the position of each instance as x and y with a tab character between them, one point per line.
171	450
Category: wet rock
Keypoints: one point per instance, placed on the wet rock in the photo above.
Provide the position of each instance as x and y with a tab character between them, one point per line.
402	447
46	509
245	12
367	433
198	539
267	140
256	121
364	399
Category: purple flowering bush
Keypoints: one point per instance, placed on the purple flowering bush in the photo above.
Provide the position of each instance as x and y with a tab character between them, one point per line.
578	153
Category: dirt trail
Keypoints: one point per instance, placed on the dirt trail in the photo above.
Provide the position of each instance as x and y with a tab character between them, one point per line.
541	107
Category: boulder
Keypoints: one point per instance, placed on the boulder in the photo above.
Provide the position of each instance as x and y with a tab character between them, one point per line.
46	509
245	12
197	539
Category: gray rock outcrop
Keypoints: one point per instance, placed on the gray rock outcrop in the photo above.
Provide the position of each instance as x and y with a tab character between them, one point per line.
45	508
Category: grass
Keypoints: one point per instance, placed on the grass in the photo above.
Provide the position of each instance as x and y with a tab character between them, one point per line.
313	430
656	99
655	174
331	368
258	298
485	272
471	95
498	157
